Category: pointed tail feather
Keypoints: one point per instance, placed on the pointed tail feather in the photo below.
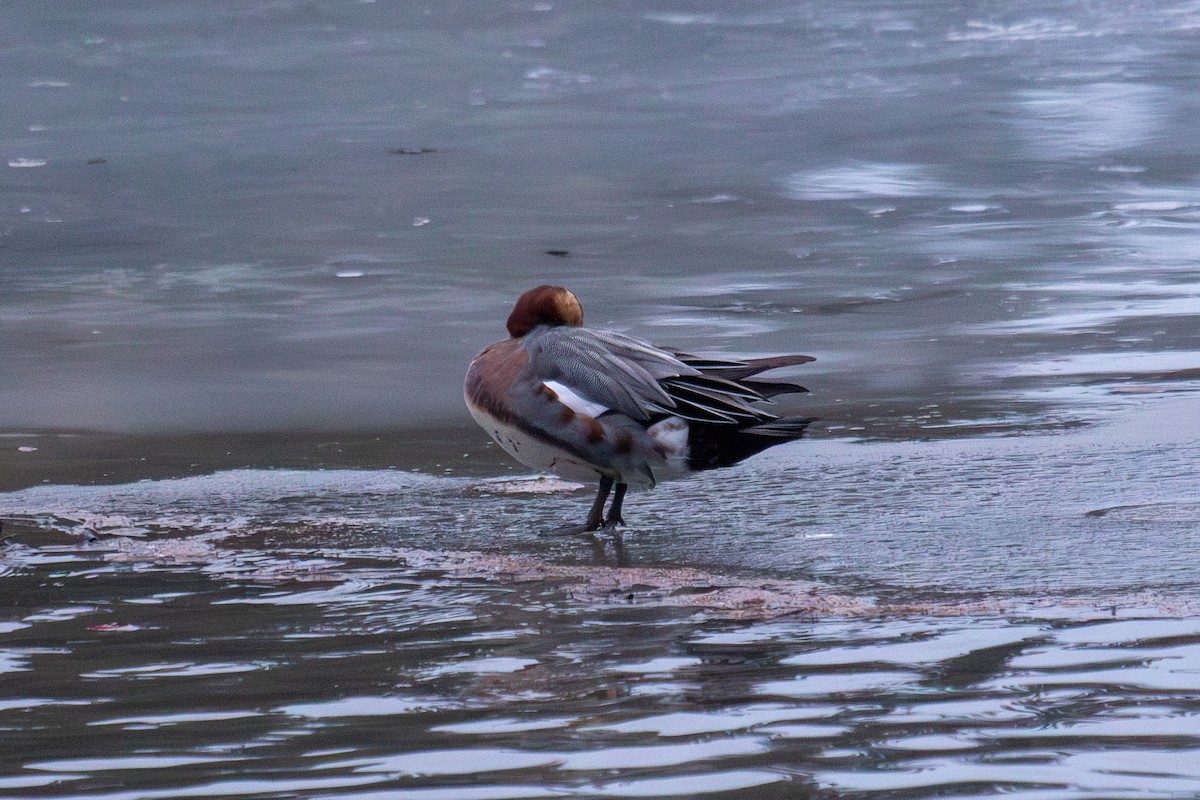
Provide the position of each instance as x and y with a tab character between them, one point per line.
707	364
784	428
770	389
725	402
713	383
753	366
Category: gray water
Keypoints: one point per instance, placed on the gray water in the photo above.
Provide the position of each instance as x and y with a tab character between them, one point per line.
940	619
205	225
253	547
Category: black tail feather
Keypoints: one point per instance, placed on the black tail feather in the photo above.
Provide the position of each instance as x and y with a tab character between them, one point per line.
736	372
697	410
723	429
716	384
722	399
713	446
769	389
783	428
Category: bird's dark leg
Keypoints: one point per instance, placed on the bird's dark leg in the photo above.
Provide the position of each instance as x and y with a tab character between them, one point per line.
614	511
596	514
595	517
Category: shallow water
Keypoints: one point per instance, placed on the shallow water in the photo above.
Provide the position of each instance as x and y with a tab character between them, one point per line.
921	619
247	249
364	678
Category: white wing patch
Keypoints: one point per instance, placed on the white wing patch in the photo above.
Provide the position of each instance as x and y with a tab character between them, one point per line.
575	401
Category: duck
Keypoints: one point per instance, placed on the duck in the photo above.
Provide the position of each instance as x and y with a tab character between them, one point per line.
592	405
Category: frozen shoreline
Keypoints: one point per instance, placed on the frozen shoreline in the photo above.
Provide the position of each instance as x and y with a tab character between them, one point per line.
1108	505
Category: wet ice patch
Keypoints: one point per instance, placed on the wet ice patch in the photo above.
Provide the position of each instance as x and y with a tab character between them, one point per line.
151	721
176	670
1154	206
934	647
727	720
1089	120
538	485
367	706
1090	304
657	666
661	755
466	761
714	782
1113	363
221	502
113	763
803	730
487	727
1129	631
1024	31
834	684
681	18
485	666
61	614
864	180
547	79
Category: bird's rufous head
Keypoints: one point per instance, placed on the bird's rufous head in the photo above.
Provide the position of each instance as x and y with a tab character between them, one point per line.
545	305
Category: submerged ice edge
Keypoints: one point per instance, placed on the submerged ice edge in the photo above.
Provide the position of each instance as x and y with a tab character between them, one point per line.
1102	511
220	502
357	574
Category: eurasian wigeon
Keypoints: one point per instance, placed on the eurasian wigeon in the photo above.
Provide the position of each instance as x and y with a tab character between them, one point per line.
590	404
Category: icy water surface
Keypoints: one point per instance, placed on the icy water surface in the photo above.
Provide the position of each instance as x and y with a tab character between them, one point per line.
917	619
272	215
248	248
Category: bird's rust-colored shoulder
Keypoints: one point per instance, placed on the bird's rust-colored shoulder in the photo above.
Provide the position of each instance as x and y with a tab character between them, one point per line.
491	374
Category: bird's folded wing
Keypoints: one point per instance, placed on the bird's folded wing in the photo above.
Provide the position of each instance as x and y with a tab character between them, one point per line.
605	369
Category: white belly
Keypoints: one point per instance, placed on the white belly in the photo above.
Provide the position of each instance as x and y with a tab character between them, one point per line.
533	452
